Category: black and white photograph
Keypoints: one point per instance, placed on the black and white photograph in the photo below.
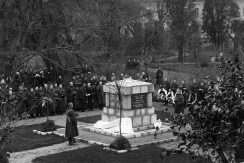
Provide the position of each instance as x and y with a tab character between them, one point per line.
121	81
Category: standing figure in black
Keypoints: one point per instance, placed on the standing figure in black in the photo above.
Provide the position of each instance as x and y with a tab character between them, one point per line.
62	98
82	95
71	91
159	76
100	95
179	102
71	129
89	97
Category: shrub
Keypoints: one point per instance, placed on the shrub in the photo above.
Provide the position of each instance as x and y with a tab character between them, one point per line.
48	126
120	143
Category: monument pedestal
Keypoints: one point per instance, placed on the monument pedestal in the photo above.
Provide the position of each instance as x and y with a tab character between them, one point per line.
136	100
140	117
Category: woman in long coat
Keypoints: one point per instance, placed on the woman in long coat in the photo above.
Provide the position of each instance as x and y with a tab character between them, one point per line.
71	124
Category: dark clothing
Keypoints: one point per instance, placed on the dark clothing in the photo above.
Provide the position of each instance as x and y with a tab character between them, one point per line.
82	95
77	100
71	124
194	88
179	103
174	87
62	100
55	93
166	85
89	98
159	77
71	92
31	103
100	97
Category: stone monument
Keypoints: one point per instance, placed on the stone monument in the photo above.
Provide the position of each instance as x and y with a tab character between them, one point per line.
136	101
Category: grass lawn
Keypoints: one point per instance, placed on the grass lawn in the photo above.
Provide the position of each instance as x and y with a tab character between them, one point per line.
24	139
95	154
190	58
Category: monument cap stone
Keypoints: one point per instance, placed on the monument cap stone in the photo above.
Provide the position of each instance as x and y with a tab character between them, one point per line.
129	86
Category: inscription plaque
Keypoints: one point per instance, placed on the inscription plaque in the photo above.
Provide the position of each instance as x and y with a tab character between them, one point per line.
139	101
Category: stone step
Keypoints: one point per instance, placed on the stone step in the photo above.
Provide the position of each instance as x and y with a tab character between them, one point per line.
137	134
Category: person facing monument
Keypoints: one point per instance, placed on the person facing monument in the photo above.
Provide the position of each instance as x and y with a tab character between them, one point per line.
71	129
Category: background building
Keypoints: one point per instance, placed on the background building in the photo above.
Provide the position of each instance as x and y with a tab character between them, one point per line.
152	5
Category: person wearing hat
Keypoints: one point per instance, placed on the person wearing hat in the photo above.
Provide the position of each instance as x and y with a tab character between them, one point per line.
71	129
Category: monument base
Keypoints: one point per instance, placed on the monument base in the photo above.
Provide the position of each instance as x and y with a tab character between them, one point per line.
140	117
138	132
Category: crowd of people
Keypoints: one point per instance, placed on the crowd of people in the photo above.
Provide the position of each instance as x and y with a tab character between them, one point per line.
85	91
181	95
46	93
132	64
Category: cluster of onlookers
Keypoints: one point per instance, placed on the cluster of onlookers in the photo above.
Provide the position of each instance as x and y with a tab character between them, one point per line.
182	94
132	64
47	93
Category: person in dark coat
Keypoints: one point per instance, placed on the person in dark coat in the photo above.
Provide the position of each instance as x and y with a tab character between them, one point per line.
174	86
83	99
89	97
71	92
100	95
77	104
16	81
63	99
55	92
179	102
31	103
159	76
71	129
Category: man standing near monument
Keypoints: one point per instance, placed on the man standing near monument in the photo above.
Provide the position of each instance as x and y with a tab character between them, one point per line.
71	129
159	76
